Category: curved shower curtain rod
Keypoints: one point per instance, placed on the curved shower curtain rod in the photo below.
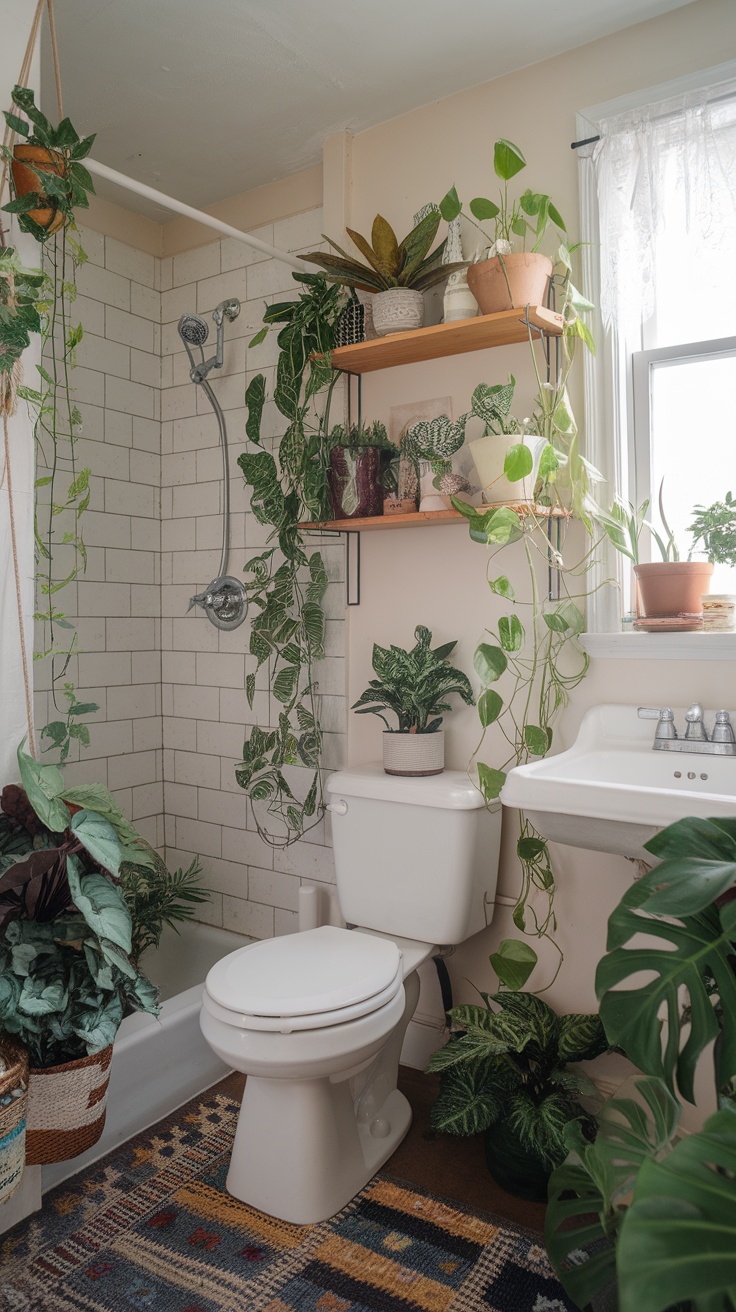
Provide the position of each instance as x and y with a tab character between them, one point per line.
199	216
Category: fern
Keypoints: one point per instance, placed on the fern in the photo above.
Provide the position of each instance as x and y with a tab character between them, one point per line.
156	897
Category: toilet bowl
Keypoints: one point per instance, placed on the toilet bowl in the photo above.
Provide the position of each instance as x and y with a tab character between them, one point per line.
316	1021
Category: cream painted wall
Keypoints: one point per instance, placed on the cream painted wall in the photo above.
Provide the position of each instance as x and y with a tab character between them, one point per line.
436	576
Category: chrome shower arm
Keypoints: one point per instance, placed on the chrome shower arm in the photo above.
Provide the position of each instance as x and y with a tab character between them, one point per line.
225	476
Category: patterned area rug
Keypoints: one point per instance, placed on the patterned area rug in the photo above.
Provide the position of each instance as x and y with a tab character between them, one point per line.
151	1228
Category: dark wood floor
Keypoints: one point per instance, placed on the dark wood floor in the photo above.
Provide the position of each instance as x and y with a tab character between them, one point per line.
442	1163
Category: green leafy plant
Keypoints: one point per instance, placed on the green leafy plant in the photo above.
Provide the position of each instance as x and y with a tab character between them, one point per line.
715	527
157	897
435	440
413	685
390	263
624	524
62	488
63	191
66	935
638	1212
19	319
526	218
287	584
355	437
507	1071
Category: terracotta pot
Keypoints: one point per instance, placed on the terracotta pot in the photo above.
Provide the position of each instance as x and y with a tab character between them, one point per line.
66	1108
672	587
25	180
524	281
414	754
354	482
397	310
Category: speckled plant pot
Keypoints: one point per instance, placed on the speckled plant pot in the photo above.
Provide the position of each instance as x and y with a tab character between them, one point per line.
414	753
398	310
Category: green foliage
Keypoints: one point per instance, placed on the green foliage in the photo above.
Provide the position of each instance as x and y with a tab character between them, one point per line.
356	437
66	975
508	1067
715	527
695	958
413	685
156	897
64	192
638	1208
526	218
19	315
41	302
390	263
286	585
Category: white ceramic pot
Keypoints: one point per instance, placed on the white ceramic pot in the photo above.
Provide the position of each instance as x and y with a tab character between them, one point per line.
429	497
398	310
459	302
489	454
414	753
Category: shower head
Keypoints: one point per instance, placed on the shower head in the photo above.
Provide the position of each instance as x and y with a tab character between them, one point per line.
229	309
193	330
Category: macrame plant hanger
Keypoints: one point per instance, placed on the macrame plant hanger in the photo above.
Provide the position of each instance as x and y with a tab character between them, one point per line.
9	383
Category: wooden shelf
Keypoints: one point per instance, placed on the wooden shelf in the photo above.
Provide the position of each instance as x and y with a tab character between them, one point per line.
416	519
504	329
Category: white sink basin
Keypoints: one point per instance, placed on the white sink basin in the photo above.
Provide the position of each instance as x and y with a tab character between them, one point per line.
611	791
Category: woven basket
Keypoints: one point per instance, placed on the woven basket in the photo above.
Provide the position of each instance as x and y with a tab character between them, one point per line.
13	1105
66	1108
414	753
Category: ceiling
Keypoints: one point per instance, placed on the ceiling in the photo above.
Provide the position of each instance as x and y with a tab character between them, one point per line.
207	100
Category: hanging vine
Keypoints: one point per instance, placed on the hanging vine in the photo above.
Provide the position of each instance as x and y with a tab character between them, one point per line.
287	583
59	185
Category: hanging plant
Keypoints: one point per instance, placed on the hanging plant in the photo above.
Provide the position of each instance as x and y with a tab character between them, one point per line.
49	183
287	583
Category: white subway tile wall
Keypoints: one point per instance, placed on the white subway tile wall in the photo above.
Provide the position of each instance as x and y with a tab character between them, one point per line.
164	678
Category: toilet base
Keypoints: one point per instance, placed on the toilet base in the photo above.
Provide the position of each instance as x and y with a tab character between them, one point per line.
300	1154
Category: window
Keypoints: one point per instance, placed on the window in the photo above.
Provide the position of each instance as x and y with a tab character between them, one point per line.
659	214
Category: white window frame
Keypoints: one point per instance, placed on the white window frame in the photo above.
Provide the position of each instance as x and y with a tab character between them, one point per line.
615	407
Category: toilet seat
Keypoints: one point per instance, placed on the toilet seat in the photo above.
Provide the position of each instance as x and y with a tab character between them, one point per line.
313	980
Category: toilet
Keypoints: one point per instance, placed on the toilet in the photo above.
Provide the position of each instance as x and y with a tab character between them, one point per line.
316	1019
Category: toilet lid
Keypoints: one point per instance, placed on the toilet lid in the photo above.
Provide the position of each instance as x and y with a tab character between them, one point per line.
314	972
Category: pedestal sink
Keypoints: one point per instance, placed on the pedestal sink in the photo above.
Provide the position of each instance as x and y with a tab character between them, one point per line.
611	791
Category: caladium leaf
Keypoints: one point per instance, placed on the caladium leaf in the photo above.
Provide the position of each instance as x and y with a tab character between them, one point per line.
98	837
101	904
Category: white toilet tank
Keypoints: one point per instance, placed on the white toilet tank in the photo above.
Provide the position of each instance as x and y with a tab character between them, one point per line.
414	857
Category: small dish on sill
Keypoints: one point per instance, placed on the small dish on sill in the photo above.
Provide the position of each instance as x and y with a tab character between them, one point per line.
669	624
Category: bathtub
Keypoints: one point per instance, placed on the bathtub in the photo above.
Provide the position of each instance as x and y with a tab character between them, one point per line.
158	1064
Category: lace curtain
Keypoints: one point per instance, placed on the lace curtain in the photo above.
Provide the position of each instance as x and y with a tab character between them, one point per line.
666	184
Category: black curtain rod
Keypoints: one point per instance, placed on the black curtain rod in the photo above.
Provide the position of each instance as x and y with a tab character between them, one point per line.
715	100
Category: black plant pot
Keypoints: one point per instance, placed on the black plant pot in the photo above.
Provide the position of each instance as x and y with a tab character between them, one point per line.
351	324
517	1170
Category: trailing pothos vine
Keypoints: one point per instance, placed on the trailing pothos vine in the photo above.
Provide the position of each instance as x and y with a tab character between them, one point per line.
287	583
40	301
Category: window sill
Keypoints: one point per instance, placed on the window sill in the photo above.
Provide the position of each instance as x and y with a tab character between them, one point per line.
660	646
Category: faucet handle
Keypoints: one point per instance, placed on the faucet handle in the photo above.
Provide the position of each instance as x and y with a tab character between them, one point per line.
666	717
695	729
723	729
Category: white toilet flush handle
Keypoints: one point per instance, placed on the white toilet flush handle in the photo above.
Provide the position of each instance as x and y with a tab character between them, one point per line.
339	808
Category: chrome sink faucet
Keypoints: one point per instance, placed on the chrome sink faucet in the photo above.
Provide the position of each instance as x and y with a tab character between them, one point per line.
722	741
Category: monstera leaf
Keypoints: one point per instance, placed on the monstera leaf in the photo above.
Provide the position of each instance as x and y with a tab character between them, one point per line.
695	959
589	1191
678	1239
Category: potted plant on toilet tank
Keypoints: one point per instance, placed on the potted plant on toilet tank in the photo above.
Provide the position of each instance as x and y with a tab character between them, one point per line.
414	686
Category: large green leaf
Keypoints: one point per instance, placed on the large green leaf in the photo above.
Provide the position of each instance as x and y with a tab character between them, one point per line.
588	1192
44	785
511	632
695	958
491	781
490	705
518	462
513	962
678	1239
467	1103
102	905
698	865
99	838
490	662
507	160
386	246
255	398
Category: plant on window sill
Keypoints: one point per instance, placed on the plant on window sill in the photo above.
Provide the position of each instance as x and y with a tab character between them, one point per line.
288	584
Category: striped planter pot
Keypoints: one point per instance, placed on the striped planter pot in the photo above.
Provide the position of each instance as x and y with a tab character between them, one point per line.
13	1105
66	1108
414	753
